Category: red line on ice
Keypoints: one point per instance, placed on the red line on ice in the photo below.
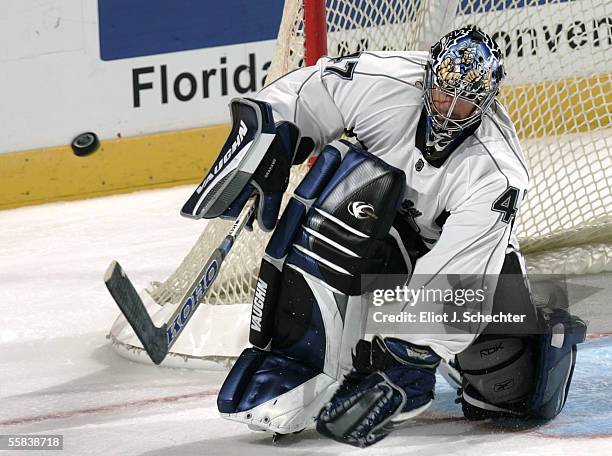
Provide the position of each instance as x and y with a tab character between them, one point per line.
105	408
597	335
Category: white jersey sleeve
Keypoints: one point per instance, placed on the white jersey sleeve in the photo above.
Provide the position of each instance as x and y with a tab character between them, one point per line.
300	97
364	94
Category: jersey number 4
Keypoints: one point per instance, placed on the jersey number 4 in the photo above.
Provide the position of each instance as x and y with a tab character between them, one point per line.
507	204
342	66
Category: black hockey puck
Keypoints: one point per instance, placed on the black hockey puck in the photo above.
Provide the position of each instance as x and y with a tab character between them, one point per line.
85	144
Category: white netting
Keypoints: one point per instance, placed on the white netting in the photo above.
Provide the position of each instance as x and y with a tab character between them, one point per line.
558	92
236	281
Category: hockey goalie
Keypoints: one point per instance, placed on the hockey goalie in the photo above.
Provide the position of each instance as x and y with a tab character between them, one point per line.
429	188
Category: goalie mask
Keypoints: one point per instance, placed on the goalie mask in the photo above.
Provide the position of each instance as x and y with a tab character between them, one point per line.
463	76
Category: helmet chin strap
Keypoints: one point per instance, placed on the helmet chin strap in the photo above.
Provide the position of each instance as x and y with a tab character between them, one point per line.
440	142
437	138
443	134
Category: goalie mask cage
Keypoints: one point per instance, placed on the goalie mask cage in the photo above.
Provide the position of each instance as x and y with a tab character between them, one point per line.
558	92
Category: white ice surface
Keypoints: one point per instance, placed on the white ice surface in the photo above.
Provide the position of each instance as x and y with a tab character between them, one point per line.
58	374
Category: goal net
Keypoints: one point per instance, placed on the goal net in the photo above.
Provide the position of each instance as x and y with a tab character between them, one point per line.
558	93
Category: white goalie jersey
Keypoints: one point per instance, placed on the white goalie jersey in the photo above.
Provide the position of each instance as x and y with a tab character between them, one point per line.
464	209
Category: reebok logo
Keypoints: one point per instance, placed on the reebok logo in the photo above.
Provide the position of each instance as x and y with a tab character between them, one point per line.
503	385
242	131
490	350
361	210
258	305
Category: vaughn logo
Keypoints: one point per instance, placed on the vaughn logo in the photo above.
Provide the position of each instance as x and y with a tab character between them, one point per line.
242	131
258	305
361	210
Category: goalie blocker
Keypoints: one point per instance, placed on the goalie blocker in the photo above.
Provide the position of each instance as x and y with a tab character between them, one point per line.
307	312
255	160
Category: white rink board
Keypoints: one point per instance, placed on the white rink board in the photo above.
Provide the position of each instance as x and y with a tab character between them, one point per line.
54	85
57	86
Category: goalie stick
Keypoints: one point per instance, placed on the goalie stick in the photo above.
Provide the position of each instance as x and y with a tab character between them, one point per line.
158	340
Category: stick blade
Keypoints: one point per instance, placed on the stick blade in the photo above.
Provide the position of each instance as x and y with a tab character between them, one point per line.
153	339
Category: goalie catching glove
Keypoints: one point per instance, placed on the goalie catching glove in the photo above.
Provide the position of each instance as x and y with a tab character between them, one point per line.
392	381
255	160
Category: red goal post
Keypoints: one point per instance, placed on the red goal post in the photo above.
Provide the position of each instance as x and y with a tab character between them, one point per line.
315	28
